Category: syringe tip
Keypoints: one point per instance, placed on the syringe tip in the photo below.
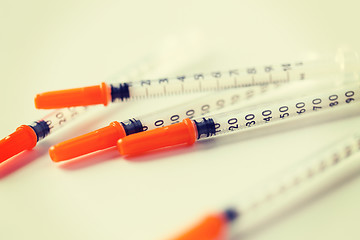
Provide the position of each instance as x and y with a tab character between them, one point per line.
24	138
99	94
97	140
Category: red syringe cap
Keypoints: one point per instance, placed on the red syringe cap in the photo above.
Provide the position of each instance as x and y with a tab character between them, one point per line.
97	140
179	133
213	227
24	138
99	94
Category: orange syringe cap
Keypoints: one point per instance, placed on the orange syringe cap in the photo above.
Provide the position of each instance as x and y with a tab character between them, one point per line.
213	227
179	133
24	138
97	140
92	95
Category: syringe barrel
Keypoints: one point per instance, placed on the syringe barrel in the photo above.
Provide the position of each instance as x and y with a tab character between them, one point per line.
230	122
342	68
60	117
298	183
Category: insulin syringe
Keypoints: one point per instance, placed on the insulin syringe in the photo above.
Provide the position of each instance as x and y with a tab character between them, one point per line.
199	82
191	130
285	191
26	136
108	136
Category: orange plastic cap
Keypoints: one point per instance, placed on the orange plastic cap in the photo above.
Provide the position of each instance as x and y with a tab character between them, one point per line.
97	140
179	133
212	227
84	96
24	138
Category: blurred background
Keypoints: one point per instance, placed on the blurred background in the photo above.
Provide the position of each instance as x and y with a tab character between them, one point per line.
49	45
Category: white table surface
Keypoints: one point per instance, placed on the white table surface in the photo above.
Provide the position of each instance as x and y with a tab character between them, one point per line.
47	45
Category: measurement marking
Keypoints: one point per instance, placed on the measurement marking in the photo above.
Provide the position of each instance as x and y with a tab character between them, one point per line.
200	85
165	89
146	92
270	77
235	81
217	84
252	80
182	87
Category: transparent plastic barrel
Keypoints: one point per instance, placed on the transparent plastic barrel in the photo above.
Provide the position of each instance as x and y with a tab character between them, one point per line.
233	121
343	68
